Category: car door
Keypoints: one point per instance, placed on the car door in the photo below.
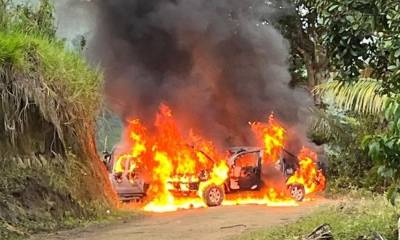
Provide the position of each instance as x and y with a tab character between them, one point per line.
249	164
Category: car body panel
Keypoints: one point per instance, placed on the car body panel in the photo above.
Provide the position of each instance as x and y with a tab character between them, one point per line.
240	179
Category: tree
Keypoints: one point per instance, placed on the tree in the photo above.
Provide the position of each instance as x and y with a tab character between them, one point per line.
300	27
360	40
349	35
359	35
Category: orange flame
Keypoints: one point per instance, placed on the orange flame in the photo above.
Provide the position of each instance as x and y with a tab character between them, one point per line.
170	160
271	136
308	174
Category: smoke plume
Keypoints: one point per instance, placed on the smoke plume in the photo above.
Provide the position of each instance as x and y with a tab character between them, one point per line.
217	63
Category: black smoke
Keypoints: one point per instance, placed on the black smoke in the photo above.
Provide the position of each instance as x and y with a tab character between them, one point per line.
218	63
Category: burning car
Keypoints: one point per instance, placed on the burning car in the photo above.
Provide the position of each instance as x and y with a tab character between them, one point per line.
172	169
245	174
130	186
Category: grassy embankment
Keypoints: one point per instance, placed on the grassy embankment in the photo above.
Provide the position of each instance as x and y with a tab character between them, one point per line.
50	174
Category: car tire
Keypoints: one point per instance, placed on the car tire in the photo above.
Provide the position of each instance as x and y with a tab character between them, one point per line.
297	192
213	195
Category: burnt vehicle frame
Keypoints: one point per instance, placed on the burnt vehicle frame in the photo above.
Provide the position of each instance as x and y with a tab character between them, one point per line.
133	188
240	178
249	177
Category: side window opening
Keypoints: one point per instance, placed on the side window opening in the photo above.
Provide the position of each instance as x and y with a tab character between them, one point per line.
247	160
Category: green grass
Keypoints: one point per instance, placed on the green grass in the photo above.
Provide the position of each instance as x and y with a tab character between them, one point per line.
349	220
62	70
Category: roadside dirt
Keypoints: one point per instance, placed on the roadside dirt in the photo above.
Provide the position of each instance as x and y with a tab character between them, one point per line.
211	223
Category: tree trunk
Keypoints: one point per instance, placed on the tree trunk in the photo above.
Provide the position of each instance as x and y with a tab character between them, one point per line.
311	76
398	228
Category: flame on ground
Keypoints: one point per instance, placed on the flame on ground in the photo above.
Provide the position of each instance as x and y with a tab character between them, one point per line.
174	163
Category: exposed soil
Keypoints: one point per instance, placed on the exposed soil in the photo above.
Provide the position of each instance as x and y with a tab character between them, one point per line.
210	223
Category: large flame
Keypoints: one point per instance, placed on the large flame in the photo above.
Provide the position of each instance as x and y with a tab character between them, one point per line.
271	136
169	160
308	174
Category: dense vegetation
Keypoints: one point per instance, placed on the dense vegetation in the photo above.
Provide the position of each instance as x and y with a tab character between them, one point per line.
51	175
349	53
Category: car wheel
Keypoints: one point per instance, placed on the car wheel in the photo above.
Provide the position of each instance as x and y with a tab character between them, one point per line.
213	195
297	192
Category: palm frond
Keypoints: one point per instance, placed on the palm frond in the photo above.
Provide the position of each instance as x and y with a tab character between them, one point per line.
362	97
329	127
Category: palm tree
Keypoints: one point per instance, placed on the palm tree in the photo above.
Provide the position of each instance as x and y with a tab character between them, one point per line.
363	97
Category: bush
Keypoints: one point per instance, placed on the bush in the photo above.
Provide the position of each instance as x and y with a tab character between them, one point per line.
349	163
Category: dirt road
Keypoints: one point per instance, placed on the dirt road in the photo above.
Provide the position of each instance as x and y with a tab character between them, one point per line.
195	224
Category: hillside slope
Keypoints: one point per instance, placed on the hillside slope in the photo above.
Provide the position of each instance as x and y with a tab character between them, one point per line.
51	175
